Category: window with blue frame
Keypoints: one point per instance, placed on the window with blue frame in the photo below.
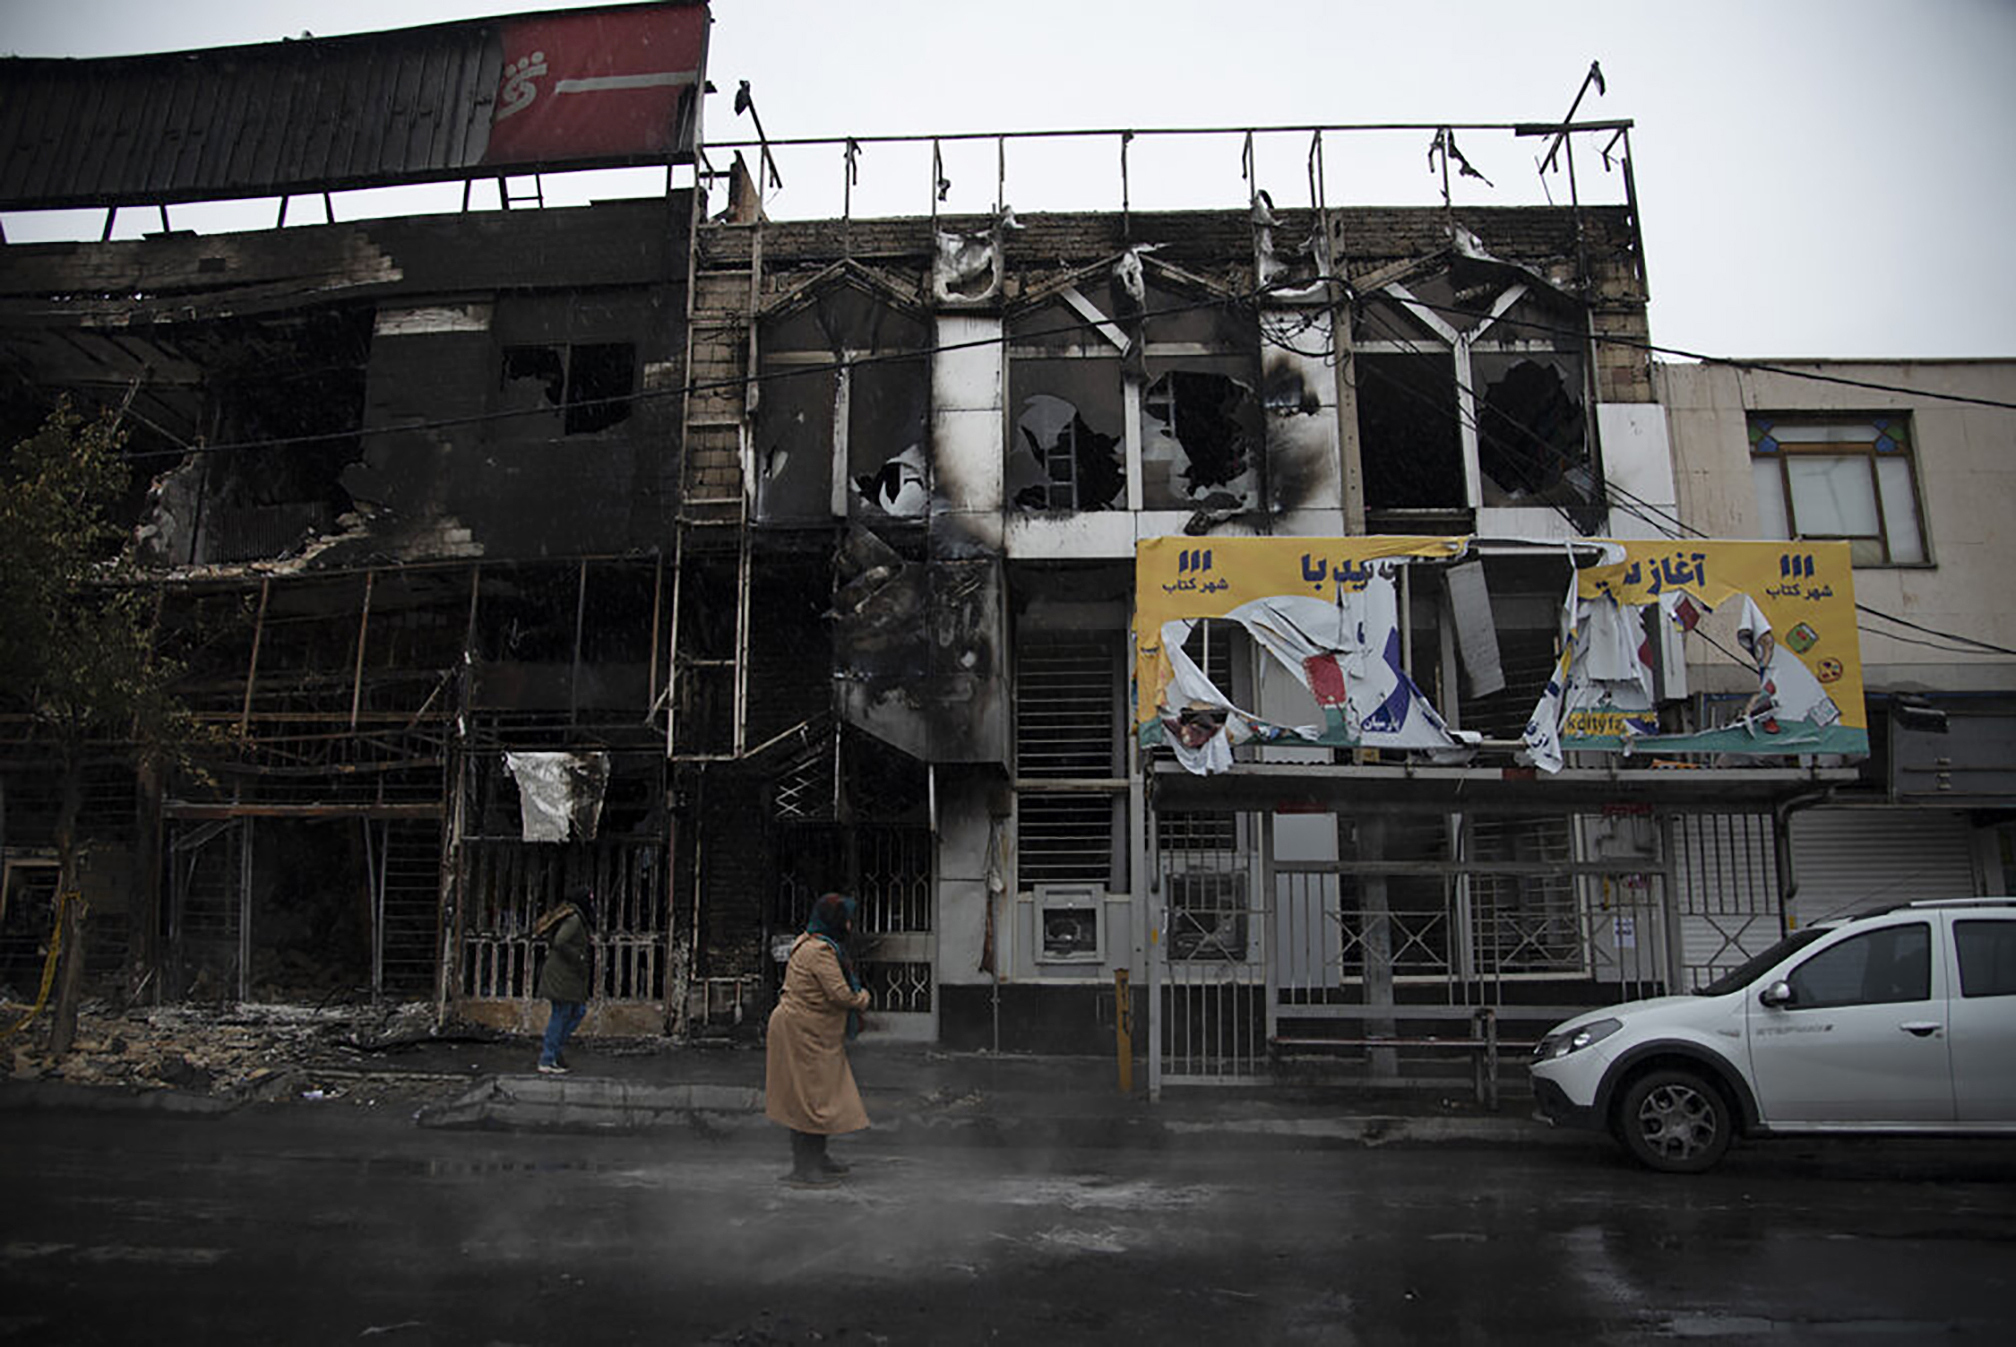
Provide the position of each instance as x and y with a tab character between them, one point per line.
1840	476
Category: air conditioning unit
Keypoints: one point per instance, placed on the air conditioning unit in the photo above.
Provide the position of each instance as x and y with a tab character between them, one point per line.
1070	923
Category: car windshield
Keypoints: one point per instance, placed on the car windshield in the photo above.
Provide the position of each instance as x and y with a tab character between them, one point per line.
1754	967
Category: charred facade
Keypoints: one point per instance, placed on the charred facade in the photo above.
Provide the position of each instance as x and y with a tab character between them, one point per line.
719	561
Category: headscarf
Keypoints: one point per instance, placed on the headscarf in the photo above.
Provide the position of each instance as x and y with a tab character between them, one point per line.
830	918
576	903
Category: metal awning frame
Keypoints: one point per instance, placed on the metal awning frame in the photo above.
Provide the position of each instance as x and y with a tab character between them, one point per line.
1410	789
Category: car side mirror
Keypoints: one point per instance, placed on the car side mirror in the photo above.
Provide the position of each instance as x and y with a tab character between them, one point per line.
1777	995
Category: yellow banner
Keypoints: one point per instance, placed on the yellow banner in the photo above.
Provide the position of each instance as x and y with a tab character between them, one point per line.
1804	592
1178	578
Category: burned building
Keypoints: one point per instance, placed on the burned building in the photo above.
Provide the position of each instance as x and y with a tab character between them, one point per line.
719	560
403	487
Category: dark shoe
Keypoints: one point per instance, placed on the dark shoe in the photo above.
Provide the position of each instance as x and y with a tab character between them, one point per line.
828	1165
812	1180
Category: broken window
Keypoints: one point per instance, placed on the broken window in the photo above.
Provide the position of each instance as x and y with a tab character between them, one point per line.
842	415
589	384
1067	441
1075	356
1202	438
284	398
569	358
887	406
1060	461
1531	444
1409	439
1476	370
1529	373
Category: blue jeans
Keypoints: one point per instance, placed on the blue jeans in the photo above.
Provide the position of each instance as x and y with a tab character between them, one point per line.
560	1023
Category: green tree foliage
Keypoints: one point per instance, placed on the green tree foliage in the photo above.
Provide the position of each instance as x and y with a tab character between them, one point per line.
77	659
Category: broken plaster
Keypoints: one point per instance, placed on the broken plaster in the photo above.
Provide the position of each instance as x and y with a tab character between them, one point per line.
1290	274
969	268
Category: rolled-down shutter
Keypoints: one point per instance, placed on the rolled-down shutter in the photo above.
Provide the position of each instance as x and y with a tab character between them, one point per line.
1849	860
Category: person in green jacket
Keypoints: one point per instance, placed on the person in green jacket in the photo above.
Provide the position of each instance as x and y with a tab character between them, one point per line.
563	978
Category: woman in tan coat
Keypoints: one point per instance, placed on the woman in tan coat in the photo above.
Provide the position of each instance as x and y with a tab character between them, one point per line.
808	1085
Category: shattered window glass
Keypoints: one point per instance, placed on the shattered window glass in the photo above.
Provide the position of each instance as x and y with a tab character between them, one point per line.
299	380
886	416
1531	442
843	378
1072	357
538	369
1202	438
1066	451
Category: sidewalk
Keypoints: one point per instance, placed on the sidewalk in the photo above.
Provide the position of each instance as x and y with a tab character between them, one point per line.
486	1080
929	1095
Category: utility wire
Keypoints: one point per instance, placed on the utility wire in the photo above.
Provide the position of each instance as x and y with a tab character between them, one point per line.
1075	327
1733	362
1239	300
1987	646
1634	505
1646	510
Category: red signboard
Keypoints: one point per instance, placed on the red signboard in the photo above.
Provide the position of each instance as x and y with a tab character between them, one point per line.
607	84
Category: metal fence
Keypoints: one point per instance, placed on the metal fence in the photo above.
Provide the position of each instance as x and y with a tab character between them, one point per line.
1349	942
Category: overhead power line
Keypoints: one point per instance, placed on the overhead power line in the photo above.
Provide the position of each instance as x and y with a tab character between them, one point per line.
1652	514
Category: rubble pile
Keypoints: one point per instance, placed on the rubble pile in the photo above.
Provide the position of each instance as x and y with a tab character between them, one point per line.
248	1051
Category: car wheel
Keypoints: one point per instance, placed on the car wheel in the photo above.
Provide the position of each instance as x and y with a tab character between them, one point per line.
1674	1121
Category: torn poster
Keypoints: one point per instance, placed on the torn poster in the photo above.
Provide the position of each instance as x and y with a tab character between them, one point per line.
1339	638
559	794
1808	697
1327	609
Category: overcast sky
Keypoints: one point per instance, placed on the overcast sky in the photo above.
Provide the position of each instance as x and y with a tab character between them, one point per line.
1818	177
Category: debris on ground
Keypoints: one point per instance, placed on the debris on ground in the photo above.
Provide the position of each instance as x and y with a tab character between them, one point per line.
255	1052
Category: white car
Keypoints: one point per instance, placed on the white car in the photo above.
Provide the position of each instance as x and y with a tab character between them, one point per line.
1902	1021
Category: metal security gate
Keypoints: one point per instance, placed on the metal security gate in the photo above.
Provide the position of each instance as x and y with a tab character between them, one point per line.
512	883
1726	890
887	867
403	871
1323	932
209	893
1208	1001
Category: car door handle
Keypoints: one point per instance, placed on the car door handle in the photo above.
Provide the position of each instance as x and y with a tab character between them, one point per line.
1920	1028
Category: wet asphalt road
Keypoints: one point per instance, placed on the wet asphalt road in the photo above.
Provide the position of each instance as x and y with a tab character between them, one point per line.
301	1225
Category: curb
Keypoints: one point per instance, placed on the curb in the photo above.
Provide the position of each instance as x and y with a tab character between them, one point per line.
543	1103
546	1104
40	1094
